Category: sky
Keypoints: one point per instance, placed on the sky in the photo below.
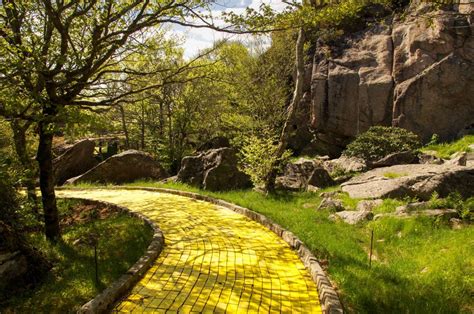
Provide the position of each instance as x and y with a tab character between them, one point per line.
196	39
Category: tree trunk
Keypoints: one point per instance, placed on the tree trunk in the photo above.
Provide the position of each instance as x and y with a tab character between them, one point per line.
291	113
45	161
124	128
19	138
142	128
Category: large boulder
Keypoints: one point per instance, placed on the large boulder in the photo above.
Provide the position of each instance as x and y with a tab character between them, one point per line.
400	158
214	170
352	217
415	72
75	160
20	263
128	166
414	180
304	173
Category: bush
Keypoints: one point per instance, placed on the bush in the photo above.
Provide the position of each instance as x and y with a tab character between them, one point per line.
9	202
257	156
380	141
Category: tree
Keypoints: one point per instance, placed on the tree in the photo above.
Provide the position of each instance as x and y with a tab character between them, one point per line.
61	54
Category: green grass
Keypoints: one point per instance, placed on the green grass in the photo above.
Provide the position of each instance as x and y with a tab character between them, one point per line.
394	175
71	283
421	266
445	150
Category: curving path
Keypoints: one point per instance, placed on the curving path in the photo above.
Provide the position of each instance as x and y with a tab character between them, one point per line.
214	260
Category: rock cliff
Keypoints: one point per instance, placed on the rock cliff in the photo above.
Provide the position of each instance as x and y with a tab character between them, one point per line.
414	71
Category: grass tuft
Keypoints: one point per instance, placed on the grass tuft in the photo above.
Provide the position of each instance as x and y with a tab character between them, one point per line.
445	150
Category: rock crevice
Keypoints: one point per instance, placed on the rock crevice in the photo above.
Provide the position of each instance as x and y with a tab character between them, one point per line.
415	72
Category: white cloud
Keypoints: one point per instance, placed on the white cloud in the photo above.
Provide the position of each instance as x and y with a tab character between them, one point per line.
197	39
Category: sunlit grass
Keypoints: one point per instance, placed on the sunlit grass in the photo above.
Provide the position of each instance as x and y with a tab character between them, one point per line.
394	175
445	150
71	283
421	265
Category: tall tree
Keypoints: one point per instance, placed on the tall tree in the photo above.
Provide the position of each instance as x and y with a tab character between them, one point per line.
69	53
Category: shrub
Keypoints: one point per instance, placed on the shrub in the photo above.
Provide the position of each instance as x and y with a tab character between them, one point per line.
380	141
257	156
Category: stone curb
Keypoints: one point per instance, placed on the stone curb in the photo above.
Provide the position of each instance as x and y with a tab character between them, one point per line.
328	297
102	302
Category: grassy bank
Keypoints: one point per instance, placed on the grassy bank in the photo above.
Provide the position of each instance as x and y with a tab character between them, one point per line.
421	265
445	150
121	241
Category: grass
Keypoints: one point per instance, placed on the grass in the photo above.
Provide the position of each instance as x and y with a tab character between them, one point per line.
421	266
71	282
445	150
394	175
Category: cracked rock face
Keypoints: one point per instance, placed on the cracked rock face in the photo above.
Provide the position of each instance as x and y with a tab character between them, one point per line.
214	170
415	180
404	72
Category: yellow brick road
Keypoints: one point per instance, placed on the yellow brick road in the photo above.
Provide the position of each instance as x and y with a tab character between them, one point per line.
214	260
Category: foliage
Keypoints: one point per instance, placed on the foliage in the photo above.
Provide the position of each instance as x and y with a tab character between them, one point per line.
465	208
257	157
123	239
445	150
9	202
380	141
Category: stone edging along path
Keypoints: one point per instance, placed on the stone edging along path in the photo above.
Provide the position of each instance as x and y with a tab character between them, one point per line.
328	297
118	288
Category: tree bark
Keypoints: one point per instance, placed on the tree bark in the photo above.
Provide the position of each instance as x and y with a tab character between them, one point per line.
19	138
124	128
142	127
45	161
291	113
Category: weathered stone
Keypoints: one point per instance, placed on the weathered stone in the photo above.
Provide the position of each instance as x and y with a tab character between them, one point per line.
412	180
75	160
331	204
456	223
368	205
170	179
458	159
429	158
14	265
402	72
433	72
214	170
128	166
411	207
345	164
352	217
400	158
301	174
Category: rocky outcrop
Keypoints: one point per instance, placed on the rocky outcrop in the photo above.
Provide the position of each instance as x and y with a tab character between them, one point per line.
415	72
20	264
128	166
352	217
400	158
345	164
304	173
214	170
75	160
415	180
